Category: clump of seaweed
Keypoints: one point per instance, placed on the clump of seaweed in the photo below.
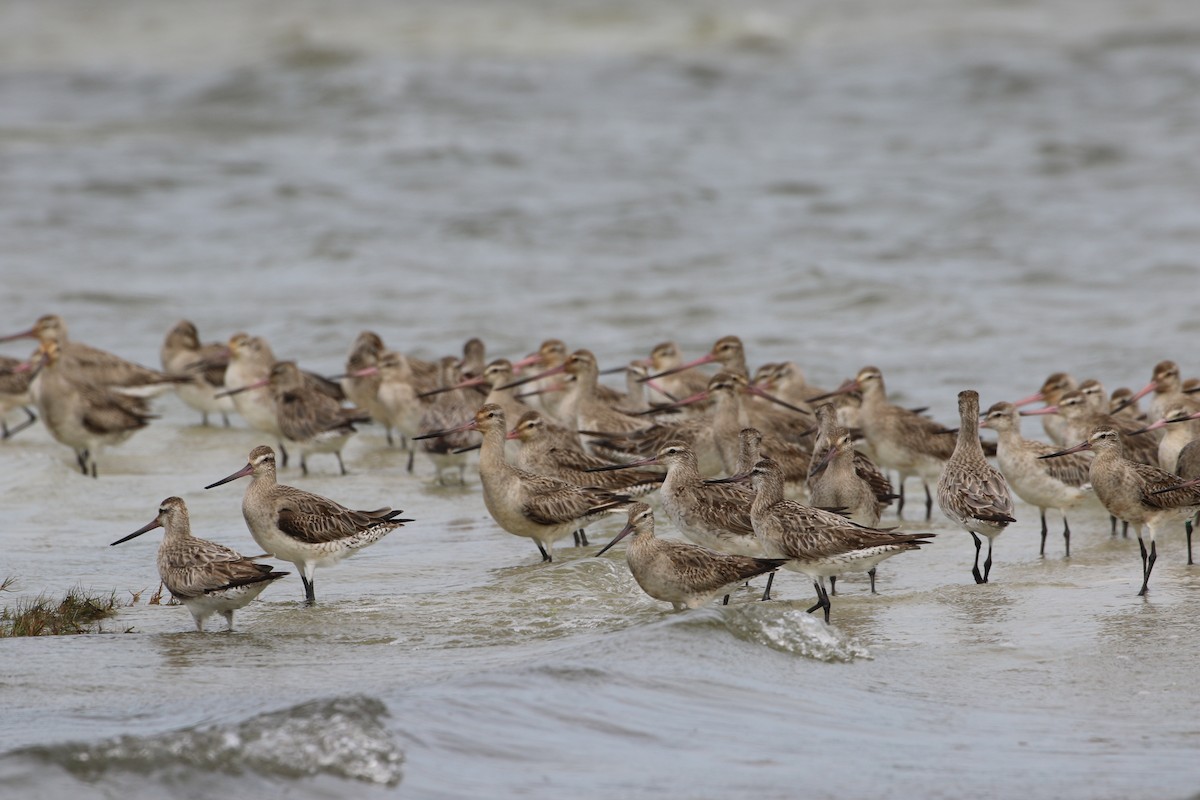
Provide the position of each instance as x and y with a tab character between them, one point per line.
77	612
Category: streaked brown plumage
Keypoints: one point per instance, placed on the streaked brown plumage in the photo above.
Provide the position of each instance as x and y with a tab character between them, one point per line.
817	543
183	355
304	528
684	574
208	578
971	492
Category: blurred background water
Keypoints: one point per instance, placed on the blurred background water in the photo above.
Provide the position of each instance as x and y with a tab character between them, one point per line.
962	193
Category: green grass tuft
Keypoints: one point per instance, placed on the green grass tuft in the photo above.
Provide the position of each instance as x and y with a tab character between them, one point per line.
77	612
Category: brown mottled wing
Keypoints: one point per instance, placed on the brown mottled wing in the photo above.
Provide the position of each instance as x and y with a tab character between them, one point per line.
705	570
881	487
552	501
212	361
987	497
1072	469
314	519
1156	480
115	412
931	438
331	389
304	414
198	566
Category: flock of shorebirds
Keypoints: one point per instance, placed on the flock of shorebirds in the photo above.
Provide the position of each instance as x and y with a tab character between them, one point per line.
757	470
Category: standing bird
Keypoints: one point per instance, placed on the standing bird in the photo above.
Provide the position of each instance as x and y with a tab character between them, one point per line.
1142	495
184	356
207	577
686	575
816	543
83	415
899	439
14	394
306	529
309	419
537	507
448	451
970	491
1062	483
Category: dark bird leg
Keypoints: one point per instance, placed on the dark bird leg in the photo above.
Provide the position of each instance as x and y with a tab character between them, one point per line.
987	565
81	460
725	602
1187	526
1113	522
303	466
928	502
1147	564
833	585
310	595
1124	529
1042	551
341	466
871	574
1067	536
581	539
283	455
411	453
542	550
900	501
391	442
30	419
975	569
822	600
767	592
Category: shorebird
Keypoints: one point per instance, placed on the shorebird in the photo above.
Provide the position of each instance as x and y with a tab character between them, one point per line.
15	376
207	577
249	362
536	507
586	404
816	543
1053	388
1167	385
713	515
829	433
727	351
1142	495
184	356
1082	418
361	380
1183	429
548	449
1062	483
92	365
304	528
549	355
307	418
900	439
396	402
1122	406
970	491
677	381
498	378
449	450
835	484
685	575
84	416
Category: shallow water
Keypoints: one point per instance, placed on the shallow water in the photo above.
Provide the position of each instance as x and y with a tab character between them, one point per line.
966	197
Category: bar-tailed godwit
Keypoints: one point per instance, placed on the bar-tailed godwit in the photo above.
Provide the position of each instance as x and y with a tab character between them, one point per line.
304	528
208	578
685	575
